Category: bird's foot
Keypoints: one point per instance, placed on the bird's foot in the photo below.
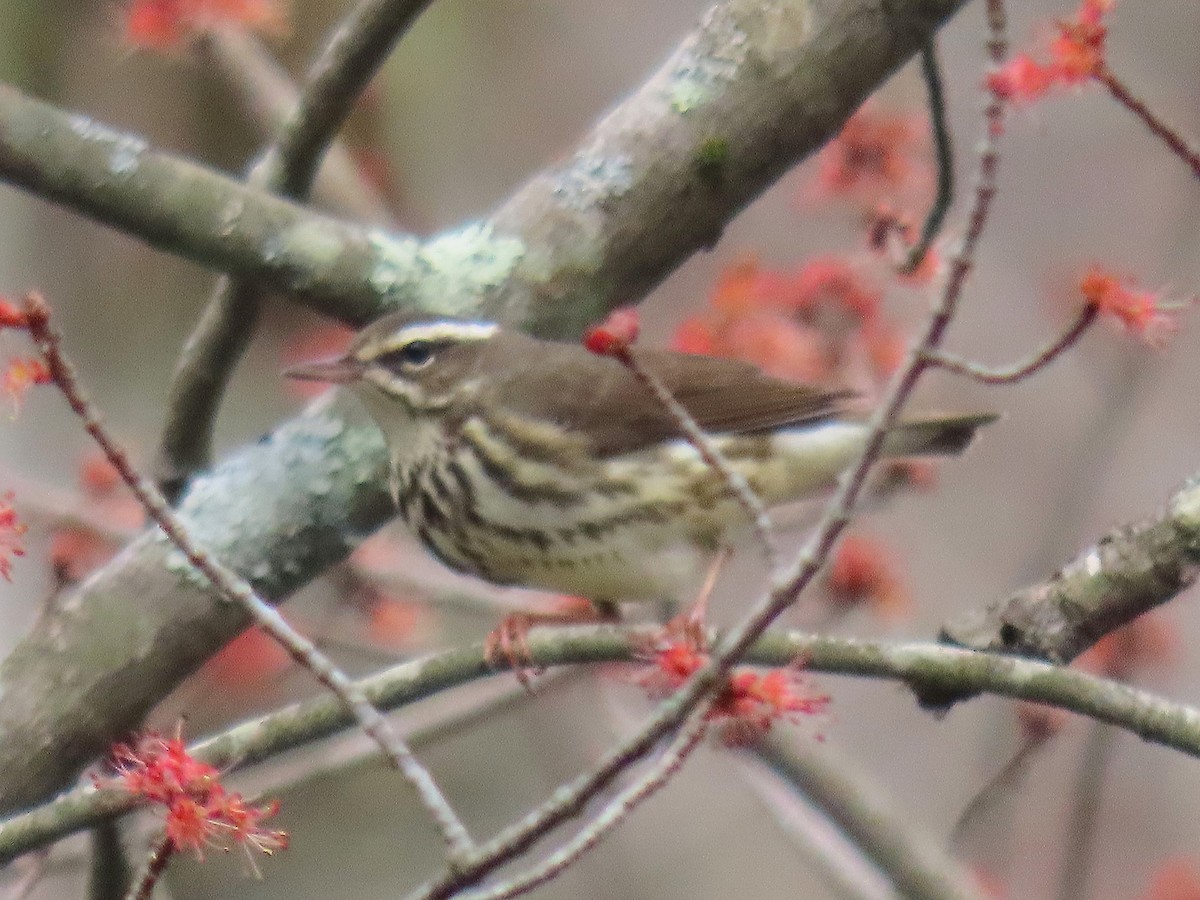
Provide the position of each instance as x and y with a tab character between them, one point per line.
507	646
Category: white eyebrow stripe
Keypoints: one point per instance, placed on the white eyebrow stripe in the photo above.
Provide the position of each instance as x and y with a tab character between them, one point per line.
435	331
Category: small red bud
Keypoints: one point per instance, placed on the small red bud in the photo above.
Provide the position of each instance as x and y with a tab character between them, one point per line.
615	335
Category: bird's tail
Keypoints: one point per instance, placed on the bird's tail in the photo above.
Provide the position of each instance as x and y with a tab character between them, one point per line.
935	435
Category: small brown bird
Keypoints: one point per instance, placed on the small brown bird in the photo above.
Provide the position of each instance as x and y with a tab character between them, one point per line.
534	463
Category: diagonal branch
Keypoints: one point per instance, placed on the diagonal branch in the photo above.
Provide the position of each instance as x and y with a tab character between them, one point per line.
357	49
763	82
1129	571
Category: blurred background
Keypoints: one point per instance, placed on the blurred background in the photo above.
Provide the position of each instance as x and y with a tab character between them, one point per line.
479	96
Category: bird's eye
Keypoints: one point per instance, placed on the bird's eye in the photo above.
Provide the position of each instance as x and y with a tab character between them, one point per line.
413	355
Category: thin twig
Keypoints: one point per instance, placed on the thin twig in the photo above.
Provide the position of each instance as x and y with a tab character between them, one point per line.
1021	370
613	814
268	96
336	78
237	590
998	786
1085	813
907	854
1175	142
109	875
944	151
152	869
709	452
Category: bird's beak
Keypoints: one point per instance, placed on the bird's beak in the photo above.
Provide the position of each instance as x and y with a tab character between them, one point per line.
342	370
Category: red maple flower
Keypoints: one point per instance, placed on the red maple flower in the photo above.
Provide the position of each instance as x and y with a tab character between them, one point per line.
832	281
1078	50
695	335
247	661
861	571
1022	79
749	703
1077	54
11	532
875	154
163	24
75	549
199	812
777	344
22	374
324	341
1149	640
1139	311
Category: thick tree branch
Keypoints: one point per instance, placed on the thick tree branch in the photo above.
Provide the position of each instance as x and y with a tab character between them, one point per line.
1132	569
756	87
924	667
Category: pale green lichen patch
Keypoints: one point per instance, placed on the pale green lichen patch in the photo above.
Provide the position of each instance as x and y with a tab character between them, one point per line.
396	258
593	178
310	245
704	69
447	274
460	267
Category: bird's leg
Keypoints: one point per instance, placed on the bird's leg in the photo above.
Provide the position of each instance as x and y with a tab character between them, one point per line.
509	641
692	623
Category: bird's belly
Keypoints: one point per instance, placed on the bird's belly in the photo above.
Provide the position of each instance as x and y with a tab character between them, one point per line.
635	563
601	548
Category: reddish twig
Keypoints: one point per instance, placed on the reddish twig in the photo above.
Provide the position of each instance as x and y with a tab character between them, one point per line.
233	588
1021	370
603	823
614	337
152	869
1173	139
712	456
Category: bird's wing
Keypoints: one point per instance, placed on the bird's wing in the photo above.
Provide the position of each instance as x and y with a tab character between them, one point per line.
601	401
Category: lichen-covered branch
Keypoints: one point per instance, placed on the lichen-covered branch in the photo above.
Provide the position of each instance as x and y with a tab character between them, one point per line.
754	88
924	667
1132	569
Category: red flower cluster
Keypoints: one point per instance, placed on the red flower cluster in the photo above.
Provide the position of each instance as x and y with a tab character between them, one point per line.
748	705
200	813
821	323
863	571
163	24
1140	312
1077	54
11	316
876	155
11	532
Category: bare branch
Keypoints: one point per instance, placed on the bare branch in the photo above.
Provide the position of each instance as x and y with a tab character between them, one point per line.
932	73
152	869
925	668
1129	571
602	824
1022	370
